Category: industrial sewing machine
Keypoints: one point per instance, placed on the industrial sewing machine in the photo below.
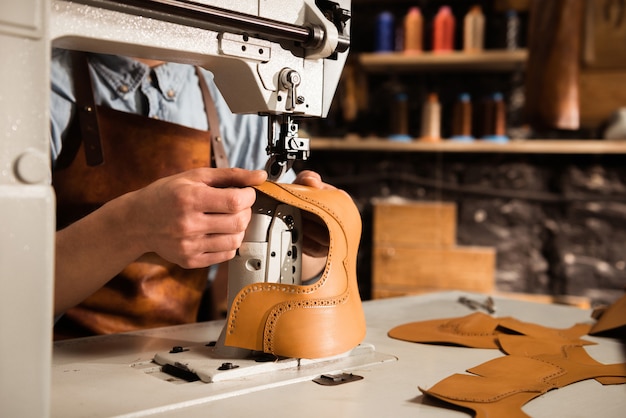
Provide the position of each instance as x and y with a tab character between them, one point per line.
276	58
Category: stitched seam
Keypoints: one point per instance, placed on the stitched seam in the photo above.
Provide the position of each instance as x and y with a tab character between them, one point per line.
454	328
279	310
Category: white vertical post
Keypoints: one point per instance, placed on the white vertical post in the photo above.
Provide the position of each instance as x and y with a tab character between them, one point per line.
27	215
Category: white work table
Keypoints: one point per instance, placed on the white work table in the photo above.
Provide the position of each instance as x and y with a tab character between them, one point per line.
105	376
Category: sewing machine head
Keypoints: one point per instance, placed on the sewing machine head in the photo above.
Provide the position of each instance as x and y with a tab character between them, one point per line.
284	62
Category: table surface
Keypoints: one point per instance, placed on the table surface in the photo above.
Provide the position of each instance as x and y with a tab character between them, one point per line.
106	375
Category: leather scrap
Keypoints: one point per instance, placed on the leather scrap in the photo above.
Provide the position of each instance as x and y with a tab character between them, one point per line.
612	320
480	330
477	330
538	359
501	387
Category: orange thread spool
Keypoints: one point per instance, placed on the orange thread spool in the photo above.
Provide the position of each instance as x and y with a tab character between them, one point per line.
413	30
443	30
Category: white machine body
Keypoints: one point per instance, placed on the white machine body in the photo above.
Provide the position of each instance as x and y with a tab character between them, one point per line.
258	71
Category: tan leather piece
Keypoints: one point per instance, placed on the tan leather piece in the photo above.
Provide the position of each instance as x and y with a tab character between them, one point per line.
500	387
523	345
613	319
476	330
571	335
529	346
509	407
314	321
539	359
479	330
497	379
577	366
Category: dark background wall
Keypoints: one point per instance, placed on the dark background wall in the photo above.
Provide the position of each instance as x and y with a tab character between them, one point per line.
558	222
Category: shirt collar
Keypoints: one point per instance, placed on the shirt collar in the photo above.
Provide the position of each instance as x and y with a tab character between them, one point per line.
122	75
171	78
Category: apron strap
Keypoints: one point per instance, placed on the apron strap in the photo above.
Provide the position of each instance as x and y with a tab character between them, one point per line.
86	110
218	154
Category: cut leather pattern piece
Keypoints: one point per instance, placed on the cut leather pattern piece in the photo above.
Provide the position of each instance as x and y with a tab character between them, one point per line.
570	335
501	387
523	345
497	379
576	370
509	407
538	359
477	330
306	321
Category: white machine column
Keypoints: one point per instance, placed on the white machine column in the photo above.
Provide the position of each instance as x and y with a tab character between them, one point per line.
26	210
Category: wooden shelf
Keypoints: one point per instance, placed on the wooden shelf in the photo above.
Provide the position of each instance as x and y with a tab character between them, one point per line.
488	60
534	146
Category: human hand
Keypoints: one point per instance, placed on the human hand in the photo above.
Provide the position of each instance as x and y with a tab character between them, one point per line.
196	218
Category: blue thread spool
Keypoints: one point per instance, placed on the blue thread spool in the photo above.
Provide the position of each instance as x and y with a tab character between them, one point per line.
385	32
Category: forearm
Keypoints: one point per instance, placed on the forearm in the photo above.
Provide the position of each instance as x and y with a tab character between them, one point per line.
194	219
92	251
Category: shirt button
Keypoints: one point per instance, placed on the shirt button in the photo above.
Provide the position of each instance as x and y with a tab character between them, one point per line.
123	88
171	93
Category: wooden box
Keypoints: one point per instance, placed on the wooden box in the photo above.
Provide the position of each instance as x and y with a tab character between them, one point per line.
414	251
418	224
401	270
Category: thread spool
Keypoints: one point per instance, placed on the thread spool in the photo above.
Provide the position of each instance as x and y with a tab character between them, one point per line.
443	30
413	31
495	119
431	119
462	119
400	118
474	30
512	30
385	32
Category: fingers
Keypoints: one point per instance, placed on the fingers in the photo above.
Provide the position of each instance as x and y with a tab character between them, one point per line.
311	179
209	200
198	217
207	250
229	177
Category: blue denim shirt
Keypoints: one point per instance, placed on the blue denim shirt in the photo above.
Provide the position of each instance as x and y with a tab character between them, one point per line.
128	85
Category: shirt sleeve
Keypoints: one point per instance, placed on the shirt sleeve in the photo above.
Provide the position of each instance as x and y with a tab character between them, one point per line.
62	100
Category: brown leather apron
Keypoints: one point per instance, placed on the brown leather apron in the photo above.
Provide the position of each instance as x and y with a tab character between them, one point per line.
121	153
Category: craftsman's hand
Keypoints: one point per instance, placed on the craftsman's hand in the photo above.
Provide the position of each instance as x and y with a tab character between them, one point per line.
315	240
196	218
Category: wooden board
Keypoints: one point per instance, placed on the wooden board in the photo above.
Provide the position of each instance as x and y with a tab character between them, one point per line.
427	269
